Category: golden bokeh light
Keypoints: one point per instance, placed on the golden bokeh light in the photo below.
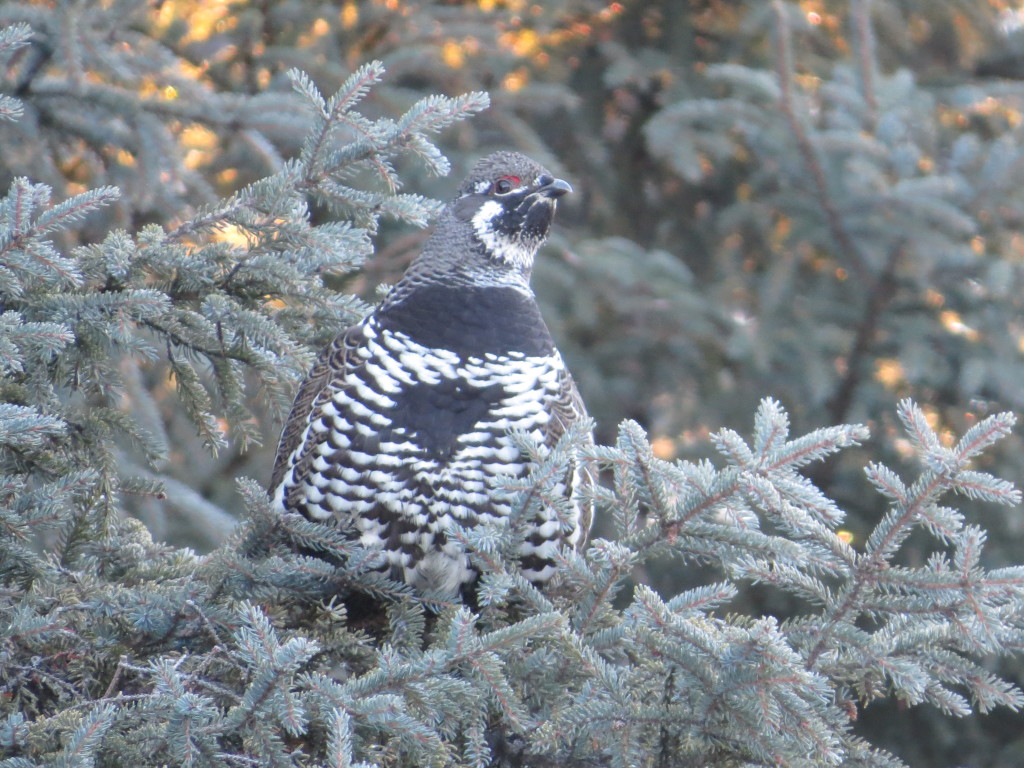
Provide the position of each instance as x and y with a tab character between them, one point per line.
889	372
664	448
233	235
515	80
953	323
452	54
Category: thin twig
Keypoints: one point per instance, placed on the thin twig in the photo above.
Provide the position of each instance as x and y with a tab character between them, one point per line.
116	678
860	11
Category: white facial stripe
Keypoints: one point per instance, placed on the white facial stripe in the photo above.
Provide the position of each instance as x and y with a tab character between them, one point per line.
482	218
510	250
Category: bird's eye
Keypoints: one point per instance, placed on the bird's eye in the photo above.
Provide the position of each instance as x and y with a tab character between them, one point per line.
505	184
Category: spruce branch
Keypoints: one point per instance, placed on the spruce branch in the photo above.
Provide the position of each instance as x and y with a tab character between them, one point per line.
912	505
12	38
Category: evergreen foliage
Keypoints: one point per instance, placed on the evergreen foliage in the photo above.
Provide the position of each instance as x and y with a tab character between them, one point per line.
184	217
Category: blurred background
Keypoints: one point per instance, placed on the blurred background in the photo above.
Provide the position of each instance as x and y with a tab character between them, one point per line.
815	201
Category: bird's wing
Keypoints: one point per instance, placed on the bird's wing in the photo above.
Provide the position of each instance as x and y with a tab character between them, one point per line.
566	409
328	372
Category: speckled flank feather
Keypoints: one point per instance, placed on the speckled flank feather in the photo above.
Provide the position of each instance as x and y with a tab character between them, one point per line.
402	425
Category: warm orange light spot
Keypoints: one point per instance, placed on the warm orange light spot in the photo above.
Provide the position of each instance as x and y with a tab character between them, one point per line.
814	18
165	14
452	54
515	80
197	136
781	231
321	27
233	235
486	5
952	322
904	447
124	157
810	83
845	536
146	89
228	176
206	19
733	241
664	448
226	53
933	298
349	15
194	71
841	274
926	164
987	106
200	141
170	92
276	304
607	14
522	42
889	372
978	245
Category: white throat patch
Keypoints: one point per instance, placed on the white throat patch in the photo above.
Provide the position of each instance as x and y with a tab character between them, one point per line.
512	251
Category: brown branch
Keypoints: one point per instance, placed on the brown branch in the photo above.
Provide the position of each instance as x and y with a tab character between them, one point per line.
784	67
881	295
860	11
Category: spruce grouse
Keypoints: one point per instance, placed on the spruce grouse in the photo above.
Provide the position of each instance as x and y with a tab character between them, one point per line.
402	424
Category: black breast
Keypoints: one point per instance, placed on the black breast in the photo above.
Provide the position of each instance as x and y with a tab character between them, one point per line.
471	321
435	415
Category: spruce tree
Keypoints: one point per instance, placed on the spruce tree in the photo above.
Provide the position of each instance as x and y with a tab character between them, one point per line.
184	220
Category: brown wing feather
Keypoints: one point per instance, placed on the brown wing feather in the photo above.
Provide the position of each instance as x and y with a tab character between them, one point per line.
327	372
566	409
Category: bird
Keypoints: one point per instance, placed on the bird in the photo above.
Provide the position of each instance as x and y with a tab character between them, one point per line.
403	424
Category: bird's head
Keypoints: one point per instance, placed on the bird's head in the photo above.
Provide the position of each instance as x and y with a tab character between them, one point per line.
509	202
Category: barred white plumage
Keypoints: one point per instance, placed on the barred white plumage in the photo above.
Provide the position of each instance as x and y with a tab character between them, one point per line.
403	422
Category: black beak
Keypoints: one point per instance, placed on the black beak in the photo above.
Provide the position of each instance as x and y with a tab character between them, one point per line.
554	188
